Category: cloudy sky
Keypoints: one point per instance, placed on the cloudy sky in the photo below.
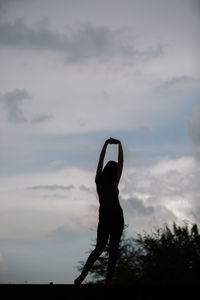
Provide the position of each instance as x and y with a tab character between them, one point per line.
74	73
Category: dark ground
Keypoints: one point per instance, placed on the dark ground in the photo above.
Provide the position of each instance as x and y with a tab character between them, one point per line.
72	292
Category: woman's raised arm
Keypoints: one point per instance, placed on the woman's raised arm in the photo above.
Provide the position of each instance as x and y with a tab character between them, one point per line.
101	159
120	163
120	159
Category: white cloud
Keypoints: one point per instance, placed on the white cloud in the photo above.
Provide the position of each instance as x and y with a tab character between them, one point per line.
150	196
30	213
167	190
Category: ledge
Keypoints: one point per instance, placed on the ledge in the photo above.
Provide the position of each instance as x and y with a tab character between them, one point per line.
90	291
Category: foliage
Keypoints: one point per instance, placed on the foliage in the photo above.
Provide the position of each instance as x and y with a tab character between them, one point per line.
166	255
170	254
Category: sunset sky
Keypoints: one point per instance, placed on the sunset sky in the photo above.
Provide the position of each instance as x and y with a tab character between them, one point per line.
72	74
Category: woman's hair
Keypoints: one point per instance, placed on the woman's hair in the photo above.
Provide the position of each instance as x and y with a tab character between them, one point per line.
109	173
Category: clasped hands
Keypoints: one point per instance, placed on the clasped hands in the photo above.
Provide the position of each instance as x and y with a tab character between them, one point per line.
112	141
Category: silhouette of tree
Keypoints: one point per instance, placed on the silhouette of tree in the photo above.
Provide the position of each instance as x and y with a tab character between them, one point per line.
170	254
164	256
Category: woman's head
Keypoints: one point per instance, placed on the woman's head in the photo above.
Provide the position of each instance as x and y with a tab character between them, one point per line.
109	173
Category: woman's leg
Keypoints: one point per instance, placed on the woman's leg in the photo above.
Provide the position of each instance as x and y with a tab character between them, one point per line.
115	236
102	239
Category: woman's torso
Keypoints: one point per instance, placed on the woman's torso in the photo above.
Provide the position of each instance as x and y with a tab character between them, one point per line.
108	199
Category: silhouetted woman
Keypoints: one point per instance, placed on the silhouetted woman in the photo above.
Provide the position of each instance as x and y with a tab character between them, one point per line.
111	220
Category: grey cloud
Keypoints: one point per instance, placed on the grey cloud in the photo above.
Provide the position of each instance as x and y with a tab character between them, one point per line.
137	205
149	53
19	34
193	127
12	102
52	187
88	42
13	105
144	129
64	234
179	83
84	188
39	118
141	215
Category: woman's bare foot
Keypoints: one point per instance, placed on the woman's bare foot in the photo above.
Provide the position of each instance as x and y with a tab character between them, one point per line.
79	279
